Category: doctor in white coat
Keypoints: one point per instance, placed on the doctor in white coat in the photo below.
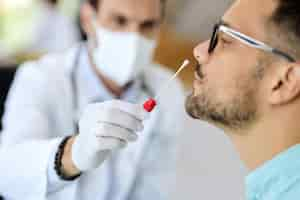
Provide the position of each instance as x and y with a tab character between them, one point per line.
64	137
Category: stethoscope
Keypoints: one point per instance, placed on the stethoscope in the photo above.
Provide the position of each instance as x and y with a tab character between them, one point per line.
75	107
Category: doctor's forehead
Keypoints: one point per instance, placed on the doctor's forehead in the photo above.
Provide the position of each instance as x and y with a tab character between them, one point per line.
251	16
134	8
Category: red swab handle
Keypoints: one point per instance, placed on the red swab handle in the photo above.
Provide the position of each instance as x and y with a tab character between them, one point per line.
149	105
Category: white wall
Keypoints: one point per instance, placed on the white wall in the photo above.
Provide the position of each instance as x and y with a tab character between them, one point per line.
194	19
208	166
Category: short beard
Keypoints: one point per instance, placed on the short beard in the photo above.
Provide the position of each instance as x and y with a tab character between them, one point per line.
237	114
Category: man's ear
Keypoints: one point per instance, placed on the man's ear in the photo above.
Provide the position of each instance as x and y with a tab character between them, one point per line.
86	17
286	84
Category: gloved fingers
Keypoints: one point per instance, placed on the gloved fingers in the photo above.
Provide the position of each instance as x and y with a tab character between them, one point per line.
135	110
110	143
121	119
110	130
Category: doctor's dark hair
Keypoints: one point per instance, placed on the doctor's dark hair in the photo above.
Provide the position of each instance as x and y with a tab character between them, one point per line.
95	4
287	18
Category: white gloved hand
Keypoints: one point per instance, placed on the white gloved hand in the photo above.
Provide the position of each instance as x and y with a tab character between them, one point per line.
103	128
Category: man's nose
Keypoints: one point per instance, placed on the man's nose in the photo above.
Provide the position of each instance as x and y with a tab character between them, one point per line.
134	27
201	52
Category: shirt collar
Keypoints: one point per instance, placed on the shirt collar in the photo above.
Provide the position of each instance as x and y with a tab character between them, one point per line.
273	173
91	89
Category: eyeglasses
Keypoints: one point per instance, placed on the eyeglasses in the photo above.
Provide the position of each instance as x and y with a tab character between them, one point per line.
221	27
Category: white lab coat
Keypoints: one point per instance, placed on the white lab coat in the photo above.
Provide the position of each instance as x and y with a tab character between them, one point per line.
39	113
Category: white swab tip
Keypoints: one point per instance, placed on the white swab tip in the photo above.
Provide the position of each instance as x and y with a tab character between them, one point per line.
186	62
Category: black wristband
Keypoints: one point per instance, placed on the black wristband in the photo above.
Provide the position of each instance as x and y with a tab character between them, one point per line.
58	163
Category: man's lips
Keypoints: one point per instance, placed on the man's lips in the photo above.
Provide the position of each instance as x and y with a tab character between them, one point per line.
199	76
198	70
198	80
198	84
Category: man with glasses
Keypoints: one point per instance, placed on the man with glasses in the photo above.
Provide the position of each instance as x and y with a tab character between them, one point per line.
248	83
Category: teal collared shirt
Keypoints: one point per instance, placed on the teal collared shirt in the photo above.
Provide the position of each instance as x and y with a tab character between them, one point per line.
278	179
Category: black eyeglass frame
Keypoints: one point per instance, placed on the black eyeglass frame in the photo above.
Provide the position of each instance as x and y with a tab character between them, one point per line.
247	40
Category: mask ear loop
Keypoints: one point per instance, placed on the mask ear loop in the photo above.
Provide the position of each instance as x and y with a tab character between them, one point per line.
92	41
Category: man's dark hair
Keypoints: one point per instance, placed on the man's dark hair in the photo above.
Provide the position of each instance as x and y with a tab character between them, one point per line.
52	2
287	18
95	4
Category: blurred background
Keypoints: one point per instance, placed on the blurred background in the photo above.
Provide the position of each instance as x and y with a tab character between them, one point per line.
208	167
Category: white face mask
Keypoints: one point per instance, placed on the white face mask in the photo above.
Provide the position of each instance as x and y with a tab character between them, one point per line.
122	56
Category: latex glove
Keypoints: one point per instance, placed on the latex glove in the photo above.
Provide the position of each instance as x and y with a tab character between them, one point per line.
103	128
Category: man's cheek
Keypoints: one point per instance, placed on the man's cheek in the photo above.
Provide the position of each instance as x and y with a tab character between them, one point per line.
225	90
